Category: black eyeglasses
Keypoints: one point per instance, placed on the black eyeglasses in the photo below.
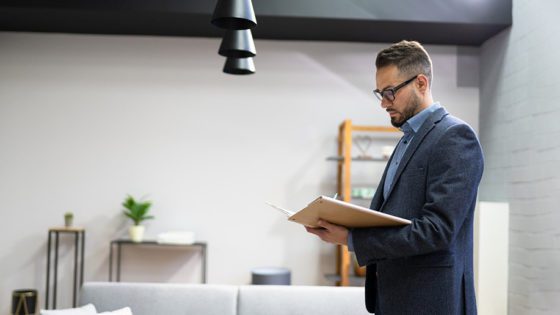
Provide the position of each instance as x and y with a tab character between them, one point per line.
389	93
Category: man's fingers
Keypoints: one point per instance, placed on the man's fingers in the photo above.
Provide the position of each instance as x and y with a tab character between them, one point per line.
325	224
310	230
329	232
317	231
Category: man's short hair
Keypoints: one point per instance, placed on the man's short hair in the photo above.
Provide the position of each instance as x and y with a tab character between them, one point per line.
409	57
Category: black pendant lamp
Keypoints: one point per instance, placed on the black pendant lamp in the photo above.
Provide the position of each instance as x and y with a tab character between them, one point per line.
238	44
239	65
234	15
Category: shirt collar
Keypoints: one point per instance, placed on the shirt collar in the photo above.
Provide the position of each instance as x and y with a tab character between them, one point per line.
415	122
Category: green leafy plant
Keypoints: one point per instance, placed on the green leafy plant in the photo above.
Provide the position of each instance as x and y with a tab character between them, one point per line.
68	215
137	210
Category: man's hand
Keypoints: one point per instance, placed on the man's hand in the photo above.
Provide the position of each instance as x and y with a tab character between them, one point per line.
330	233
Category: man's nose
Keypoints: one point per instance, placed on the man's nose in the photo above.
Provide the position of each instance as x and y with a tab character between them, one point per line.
385	103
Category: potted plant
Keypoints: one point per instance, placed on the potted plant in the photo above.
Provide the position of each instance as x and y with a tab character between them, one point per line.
68	218
138	212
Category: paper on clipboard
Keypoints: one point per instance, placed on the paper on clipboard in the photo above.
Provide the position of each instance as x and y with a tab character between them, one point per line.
340	213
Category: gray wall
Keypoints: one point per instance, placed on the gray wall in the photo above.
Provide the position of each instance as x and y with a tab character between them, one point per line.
519	114
85	120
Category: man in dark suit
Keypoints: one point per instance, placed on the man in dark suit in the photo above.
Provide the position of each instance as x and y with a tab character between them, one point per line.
431	179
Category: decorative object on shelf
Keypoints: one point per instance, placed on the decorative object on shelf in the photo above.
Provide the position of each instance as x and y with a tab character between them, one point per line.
24	302
137	211
238	44
237	17
239	66
363	192
136	233
176	237
68	219
387	151
363	143
234	15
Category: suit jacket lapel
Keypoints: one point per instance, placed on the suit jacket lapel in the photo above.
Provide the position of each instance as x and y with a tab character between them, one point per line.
428	125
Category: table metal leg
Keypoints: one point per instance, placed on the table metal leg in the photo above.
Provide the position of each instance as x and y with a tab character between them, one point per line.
119	262
82	261
48	271
55	268
75	279
111	262
204	263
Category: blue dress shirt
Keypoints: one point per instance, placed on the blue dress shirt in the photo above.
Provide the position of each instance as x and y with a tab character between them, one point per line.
409	128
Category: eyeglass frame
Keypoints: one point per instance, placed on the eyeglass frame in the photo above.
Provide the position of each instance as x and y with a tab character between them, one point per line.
380	94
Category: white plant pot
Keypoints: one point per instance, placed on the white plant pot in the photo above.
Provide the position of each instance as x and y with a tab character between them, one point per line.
136	233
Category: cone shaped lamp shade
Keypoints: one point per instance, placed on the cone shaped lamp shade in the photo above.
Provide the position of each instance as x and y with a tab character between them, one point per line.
234	15
239	66
238	44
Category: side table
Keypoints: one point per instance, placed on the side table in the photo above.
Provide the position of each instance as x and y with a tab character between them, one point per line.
120	242
79	243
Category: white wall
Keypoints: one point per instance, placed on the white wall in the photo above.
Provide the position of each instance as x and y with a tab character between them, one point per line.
85	120
520	134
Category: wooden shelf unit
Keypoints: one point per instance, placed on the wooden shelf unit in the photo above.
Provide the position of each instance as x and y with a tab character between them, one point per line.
344	183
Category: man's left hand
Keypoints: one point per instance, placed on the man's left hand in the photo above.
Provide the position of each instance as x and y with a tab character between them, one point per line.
330	233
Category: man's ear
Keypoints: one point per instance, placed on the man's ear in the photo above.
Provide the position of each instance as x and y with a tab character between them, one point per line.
422	83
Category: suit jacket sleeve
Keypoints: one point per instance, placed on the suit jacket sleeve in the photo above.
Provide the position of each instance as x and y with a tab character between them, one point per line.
453	174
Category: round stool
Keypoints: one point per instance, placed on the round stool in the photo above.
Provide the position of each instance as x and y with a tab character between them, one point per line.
271	276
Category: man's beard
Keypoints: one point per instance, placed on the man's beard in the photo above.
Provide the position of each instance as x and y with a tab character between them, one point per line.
414	102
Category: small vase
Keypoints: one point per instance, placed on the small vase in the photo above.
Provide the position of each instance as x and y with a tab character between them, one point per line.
136	233
68	221
24	302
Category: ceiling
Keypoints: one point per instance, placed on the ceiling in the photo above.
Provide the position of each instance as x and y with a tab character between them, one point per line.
447	22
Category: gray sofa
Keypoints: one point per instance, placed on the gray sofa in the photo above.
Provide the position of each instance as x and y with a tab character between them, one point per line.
208	299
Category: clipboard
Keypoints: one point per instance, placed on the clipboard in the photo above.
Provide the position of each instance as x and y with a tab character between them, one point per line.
341	213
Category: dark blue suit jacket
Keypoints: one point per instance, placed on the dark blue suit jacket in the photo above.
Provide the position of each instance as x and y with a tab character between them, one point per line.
426	267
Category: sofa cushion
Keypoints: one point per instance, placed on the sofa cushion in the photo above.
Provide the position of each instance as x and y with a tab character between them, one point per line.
301	300
88	309
122	311
159	298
